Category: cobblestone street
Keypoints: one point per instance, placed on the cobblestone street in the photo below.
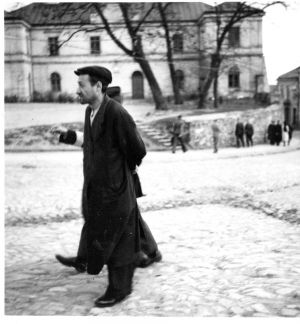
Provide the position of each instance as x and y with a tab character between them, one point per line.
227	225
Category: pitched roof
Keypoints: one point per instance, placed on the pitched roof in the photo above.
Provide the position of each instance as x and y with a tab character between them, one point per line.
291	75
66	13
189	10
230	7
51	13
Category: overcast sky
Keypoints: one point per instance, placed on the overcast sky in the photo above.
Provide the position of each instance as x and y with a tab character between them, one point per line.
281	27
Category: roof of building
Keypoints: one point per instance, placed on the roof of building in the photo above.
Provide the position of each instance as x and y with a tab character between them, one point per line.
229	7
66	13
291	75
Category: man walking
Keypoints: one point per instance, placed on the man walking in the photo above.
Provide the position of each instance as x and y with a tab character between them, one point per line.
249	131
112	148
239	134
178	132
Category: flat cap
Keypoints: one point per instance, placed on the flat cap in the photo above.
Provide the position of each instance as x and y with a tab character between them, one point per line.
100	72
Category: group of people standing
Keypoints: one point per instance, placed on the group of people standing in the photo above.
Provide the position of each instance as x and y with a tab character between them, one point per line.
278	133
241	130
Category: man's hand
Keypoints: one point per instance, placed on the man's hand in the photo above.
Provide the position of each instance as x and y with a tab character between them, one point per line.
58	129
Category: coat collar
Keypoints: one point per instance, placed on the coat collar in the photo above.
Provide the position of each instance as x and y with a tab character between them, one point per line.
97	125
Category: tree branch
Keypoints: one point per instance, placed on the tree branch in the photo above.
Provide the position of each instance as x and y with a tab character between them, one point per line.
124	9
145	17
110	32
78	31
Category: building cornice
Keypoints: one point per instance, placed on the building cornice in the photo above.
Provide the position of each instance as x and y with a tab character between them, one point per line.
14	21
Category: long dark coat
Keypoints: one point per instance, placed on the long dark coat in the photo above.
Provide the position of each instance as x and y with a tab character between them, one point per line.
112	148
271	132
278	133
249	129
239	129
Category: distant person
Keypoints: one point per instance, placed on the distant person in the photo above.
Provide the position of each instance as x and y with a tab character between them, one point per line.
178	133
239	134
285	134
278	133
249	131
215	133
271	132
290	134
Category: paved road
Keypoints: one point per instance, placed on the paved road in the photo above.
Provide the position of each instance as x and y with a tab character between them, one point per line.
43	186
218	261
227	225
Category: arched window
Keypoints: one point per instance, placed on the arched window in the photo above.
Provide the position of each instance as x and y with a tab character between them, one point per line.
234	77
179	76
55	82
177	43
137	85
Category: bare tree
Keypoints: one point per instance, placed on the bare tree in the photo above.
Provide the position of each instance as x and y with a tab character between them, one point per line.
134	16
136	52
224	21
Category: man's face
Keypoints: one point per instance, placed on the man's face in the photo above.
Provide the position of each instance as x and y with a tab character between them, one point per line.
86	92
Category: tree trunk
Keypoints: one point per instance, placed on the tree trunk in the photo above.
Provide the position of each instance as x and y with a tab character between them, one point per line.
216	81
212	75
175	84
204	92
160	102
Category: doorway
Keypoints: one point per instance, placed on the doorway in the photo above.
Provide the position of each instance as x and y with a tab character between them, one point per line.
137	85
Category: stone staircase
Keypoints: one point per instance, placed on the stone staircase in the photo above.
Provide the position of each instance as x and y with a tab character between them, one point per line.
157	136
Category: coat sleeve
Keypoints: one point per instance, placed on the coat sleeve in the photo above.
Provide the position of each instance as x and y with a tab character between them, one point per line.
72	137
129	139
68	137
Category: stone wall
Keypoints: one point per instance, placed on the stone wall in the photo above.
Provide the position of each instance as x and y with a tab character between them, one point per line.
201	133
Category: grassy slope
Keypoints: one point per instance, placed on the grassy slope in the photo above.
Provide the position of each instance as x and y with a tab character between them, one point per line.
39	138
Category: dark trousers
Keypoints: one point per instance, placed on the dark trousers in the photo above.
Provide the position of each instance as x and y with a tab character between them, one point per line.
119	280
215	141
175	141
249	140
240	138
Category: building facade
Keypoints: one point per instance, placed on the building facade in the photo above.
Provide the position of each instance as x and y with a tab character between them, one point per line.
43	47
289	89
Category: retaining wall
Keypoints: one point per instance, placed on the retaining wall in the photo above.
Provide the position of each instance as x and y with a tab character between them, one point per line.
201	133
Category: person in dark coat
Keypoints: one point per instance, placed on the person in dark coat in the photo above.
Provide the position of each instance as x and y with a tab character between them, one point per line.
239	134
249	131
271	132
290	133
112	148
278	133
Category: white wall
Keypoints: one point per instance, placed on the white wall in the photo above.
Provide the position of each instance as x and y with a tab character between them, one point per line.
76	53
